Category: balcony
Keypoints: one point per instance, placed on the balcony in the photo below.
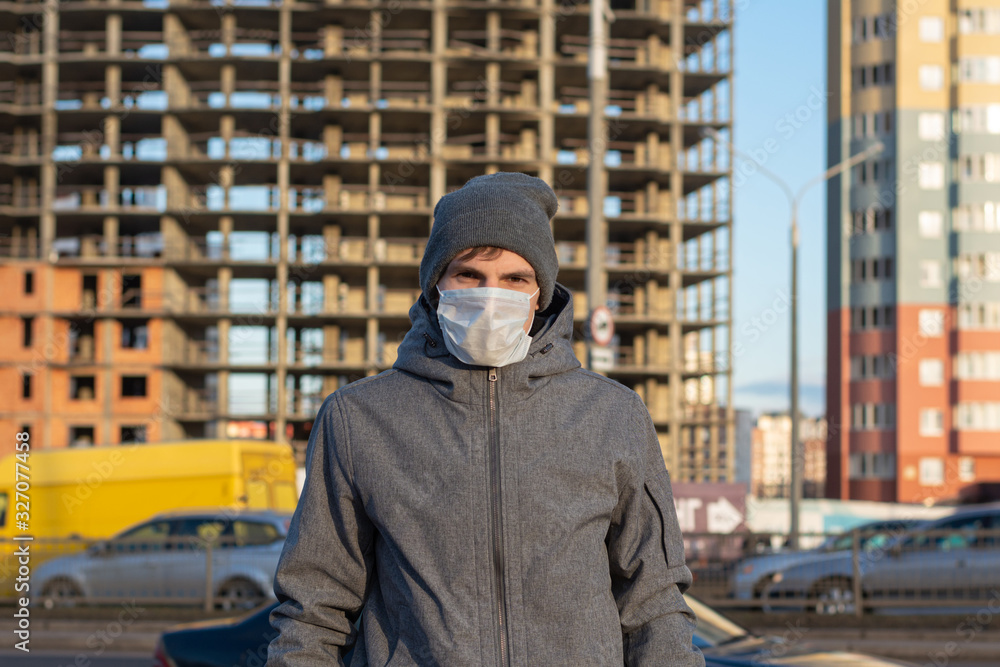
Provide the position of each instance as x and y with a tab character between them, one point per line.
20	247
89	247
191	352
83	199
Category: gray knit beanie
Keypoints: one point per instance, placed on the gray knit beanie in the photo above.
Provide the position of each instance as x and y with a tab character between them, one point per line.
504	210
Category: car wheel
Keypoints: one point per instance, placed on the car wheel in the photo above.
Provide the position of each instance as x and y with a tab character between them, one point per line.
834	596
61	593
239	594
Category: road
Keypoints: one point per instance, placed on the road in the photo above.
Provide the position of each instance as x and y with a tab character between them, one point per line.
15	658
12	658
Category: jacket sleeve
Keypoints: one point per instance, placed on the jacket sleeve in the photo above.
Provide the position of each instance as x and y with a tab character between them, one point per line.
646	555
323	572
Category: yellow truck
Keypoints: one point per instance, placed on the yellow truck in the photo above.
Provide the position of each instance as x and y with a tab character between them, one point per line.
67	497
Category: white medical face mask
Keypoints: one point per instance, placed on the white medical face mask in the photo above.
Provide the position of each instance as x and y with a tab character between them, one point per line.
484	326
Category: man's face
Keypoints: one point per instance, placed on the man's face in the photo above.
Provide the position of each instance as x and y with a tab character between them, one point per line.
506	271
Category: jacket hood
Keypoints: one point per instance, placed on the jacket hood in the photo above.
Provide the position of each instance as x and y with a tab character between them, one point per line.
423	352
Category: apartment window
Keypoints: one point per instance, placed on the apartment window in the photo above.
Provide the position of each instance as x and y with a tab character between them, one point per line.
872	465
930	175
135	335
132	291
885	26
983	217
931	322
978	366
983	266
991	119
134	385
872	367
29	282
883	218
967	469
133	434
931	422
930	273
981	119
931	471
979	316
979	69
81	436
930	126
931	224
982	21
81	387
26	385
873	416
27	325
871	318
931	372
931	77
931	29
977	416
980	167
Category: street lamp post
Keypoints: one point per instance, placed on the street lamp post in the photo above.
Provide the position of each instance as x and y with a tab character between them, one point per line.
794	199
597	136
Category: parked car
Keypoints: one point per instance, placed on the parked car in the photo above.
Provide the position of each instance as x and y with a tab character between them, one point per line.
752	576
956	557
166	557
243	642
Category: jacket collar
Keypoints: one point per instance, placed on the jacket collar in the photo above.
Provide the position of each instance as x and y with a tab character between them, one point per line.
423	353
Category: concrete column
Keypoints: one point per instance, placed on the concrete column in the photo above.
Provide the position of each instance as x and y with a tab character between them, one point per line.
439	75
284	79
546	91
493	31
113	34
111	236
47	221
113	85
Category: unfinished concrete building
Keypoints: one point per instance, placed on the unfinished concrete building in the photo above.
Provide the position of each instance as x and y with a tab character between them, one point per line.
212	213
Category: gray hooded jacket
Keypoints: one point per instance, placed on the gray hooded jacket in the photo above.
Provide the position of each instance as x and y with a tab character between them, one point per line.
473	516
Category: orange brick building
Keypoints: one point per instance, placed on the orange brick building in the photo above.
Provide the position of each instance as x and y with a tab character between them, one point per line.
913	339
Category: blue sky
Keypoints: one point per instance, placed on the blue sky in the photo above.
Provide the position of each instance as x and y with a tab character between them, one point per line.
780	98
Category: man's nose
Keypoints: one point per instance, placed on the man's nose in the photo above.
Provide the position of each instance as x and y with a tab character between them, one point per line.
489	281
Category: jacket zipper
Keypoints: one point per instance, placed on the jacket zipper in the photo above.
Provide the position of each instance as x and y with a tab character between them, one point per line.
496	518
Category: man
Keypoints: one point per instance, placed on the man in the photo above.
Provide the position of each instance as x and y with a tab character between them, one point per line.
486	501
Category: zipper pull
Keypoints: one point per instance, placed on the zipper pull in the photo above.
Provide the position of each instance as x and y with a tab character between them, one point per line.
493	375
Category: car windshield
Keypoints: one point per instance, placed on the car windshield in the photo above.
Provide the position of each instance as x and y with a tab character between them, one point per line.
713	628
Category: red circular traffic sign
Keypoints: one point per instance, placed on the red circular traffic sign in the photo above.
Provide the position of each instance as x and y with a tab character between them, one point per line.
602	325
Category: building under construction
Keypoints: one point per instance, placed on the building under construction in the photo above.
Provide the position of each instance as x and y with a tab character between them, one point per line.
212	213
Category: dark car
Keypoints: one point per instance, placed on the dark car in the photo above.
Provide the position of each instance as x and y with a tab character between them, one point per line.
242	642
